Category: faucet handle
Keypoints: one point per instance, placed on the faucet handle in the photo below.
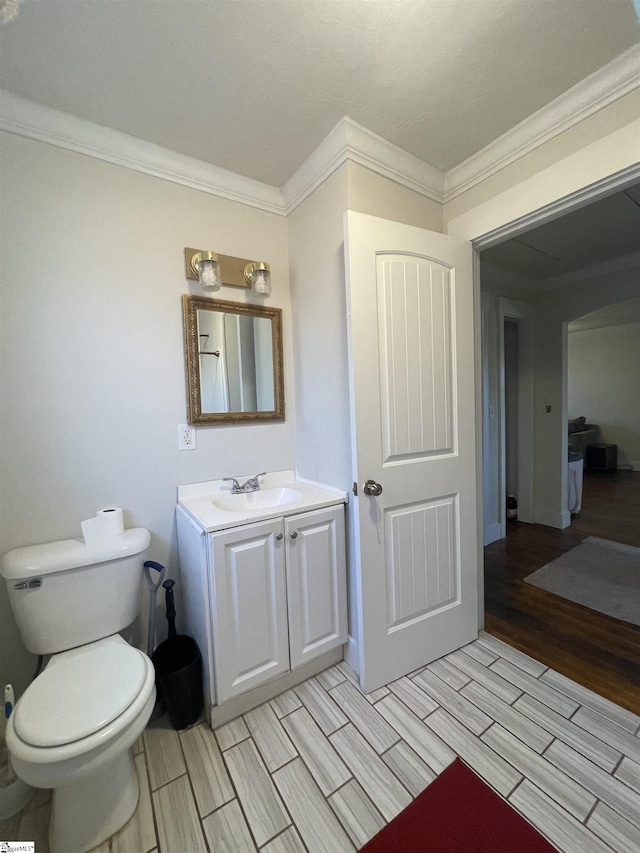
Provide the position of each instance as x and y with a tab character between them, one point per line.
236	484
253	484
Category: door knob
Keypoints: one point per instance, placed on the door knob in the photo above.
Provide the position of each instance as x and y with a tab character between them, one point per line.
278	536
294	534
372	488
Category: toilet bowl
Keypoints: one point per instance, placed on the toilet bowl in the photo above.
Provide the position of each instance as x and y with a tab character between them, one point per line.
72	731
73	728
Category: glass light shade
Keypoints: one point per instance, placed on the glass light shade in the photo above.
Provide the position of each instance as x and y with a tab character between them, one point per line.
9	10
209	275
261	282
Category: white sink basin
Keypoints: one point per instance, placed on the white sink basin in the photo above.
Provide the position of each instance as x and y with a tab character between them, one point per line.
258	501
212	506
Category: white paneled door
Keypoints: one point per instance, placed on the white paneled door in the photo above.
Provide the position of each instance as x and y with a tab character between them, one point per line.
411	338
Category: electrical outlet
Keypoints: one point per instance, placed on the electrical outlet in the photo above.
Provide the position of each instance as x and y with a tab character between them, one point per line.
186	437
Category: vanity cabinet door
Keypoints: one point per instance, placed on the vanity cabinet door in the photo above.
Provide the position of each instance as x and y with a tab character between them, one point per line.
316	583
249	607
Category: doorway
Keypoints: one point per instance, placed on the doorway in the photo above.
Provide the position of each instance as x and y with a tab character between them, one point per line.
544	538
563	268
516	409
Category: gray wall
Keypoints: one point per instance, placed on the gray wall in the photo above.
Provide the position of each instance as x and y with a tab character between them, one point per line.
92	379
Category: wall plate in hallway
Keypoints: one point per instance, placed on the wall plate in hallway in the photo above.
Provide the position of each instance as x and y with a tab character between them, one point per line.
186	437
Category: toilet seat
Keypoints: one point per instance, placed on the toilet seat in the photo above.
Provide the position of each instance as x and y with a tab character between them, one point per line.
80	693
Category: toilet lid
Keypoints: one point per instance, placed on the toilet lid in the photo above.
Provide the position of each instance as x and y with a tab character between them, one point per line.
79	695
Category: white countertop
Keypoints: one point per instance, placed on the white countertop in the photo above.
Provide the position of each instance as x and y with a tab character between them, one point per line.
211	504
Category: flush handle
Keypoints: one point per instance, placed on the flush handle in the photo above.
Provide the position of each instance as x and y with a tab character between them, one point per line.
372	488
36	583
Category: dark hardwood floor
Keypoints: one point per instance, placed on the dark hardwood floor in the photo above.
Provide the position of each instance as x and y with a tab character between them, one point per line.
595	650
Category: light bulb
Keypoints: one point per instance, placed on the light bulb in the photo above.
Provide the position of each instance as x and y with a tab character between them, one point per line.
9	10
261	282
209	275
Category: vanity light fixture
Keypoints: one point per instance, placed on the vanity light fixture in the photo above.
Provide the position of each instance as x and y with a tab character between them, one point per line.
207	269
9	10
258	275
214	270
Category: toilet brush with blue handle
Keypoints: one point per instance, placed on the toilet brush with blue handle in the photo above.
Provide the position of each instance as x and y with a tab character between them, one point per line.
153	587
9	702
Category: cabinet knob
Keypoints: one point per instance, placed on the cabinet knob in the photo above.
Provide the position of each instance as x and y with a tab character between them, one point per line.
294	535
278	536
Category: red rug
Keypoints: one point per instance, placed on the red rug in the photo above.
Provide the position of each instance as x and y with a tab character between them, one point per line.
458	813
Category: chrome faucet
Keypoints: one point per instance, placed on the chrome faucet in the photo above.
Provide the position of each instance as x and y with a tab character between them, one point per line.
252	484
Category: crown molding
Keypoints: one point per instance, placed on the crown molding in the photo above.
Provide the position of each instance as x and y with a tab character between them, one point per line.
319	165
615	80
347	141
36	121
350	141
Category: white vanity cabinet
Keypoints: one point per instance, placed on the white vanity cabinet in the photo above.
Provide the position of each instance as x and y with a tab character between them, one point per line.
278	592
265	599
316	583
248	607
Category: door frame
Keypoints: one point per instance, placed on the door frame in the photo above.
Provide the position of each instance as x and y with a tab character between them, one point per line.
553	210
522	313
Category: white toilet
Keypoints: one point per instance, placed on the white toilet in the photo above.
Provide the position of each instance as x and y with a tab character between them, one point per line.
73	728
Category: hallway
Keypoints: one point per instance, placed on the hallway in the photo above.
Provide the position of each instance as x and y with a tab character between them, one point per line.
595	650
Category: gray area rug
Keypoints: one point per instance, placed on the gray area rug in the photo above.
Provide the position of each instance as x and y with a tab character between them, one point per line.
599	574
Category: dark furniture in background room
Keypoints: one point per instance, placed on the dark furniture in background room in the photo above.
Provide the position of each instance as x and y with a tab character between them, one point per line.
602	457
582	434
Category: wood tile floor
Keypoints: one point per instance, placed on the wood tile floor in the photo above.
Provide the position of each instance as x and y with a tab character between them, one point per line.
323	768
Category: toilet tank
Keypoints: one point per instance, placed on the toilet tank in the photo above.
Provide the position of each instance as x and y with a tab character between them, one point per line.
66	594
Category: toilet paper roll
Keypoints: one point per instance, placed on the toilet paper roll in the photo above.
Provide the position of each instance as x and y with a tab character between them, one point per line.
112	519
106	525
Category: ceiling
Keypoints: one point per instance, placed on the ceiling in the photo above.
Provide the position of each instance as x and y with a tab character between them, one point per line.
603	231
255	85
617	314
603	234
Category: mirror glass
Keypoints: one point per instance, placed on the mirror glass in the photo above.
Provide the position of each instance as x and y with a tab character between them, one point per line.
234	361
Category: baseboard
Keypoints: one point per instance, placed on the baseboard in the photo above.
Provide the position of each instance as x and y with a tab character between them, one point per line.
492	533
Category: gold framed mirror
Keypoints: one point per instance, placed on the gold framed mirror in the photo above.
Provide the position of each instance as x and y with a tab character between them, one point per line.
233	354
